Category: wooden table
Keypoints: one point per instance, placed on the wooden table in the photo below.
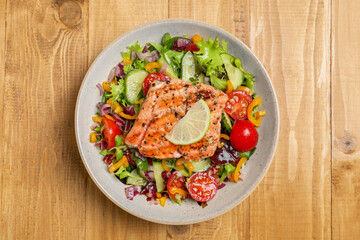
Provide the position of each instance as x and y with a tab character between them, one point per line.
311	51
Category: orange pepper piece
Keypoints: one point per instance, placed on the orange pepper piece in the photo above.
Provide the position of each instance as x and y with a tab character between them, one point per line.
116	166
109	117
106	86
190	167
163	162
196	38
224	136
238	167
230	87
255	102
246	89
151	66
127	61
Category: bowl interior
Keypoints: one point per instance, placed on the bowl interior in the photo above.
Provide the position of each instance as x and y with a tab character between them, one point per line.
189	212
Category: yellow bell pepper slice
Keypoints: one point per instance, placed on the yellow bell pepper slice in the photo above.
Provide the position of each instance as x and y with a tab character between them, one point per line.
255	102
151	66
246	89
166	168
162	201
127	116
109	117
196	38
238	167
224	136
230	87
106	86
92	137
127	61
116	166
260	113
190	167
97	119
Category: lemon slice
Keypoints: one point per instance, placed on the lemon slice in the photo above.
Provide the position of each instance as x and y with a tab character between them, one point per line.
192	127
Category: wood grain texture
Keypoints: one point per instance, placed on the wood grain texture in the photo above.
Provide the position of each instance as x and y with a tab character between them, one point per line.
312	190
292	39
42	179
2	93
104	220
235	224
345	119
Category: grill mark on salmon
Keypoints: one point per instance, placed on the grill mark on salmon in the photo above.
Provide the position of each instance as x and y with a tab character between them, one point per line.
143	120
206	147
166	103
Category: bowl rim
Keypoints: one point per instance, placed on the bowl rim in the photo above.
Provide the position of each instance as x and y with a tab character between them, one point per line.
144	26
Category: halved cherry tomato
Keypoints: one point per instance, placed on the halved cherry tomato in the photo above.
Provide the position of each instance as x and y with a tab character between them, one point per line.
243	136
192	48
202	186
176	181
152	77
237	104
111	129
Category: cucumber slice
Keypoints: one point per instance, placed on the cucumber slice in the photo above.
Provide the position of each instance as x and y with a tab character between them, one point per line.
202	165
235	75
188	67
136	179
134	84
184	172
160	183
201	78
226	121
168	70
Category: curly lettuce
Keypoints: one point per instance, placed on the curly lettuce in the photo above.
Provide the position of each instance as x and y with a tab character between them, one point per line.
136	47
209	57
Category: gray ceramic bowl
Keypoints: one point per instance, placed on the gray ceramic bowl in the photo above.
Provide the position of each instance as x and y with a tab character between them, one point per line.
189	212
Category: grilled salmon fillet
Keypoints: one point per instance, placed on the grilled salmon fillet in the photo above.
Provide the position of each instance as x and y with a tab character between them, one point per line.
166	103
206	147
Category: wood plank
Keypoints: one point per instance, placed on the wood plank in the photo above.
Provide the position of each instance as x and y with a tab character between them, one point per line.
2	93
104	220
236	223
345	120
42	178
292	39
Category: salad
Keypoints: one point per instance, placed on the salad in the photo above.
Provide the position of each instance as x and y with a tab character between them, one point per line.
177	119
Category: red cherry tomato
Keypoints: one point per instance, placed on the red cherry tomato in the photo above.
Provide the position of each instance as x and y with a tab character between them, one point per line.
111	129
192	48
202	186
243	136
237	104
152	77
176	180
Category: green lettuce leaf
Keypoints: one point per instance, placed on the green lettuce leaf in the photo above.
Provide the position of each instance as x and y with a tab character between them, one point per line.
209	57
136	47
117	91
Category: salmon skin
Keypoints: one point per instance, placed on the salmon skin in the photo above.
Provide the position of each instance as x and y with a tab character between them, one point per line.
166	103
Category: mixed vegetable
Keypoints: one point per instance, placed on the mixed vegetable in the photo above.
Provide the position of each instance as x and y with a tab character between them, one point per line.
192	60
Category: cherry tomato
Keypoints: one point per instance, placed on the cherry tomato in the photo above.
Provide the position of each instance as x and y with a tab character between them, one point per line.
111	129
192	48
243	136
237	104
152	77
176	180
202	186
